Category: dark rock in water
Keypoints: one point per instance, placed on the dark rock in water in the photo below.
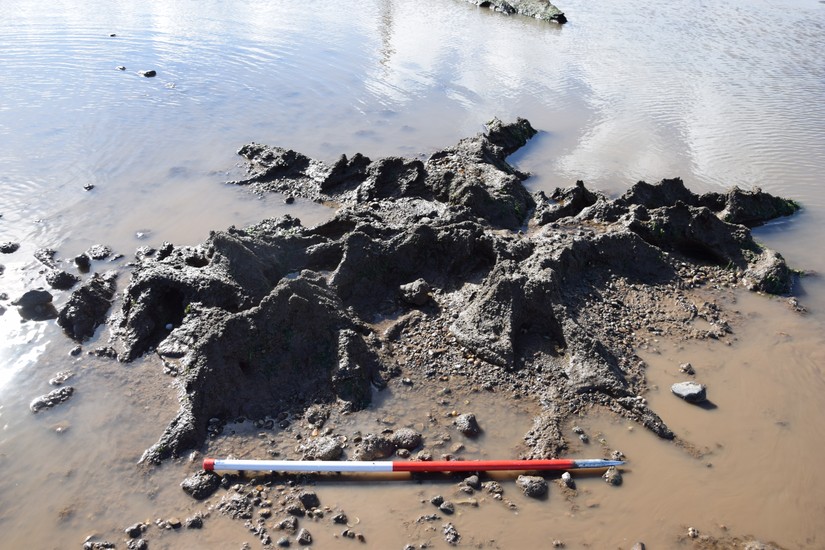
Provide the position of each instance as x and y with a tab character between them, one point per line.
33	298
89	186
201	485
447	507
83	262
45	256
60	378
87	306
236	506
61	280
539	9
36	305
54	397
451	534
406	438
148	74
121	68
690	391
2	269
98	252
136	530
194	522
467	424
472	481
9	247
416	293
98	545
303	537
532	486
309	499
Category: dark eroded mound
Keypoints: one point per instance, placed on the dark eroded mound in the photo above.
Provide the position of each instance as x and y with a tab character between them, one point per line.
278	315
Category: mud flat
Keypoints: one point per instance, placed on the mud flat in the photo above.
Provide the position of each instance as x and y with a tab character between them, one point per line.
436	270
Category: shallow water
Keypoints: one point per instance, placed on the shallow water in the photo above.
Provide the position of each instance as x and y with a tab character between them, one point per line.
720	95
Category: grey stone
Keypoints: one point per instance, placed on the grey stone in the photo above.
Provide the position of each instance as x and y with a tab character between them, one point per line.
201	485
532	486
612	476
690	391
406	438
51	399
467	424
416	293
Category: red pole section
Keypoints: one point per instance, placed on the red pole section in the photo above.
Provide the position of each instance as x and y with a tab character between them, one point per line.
482	465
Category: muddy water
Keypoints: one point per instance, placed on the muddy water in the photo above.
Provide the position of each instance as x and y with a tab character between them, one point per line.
721	95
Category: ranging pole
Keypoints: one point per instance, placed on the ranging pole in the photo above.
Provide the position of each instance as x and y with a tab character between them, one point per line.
381	466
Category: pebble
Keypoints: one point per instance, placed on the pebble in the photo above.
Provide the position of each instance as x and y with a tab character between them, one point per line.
638	546
690	391
283	542
613	476
451	534
532	486
148	74
61	377
303	537
447	507
309	499
567	479
467	424
693	532
9	247
54	397
687	368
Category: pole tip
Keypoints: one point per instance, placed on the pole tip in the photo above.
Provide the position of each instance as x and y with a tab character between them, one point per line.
209	464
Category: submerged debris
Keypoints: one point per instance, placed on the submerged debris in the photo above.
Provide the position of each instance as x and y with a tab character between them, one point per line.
278	315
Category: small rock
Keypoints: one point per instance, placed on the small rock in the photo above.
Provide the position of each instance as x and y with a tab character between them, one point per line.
690	391
148	74
137	544
174	523
51	399
90	186
289	200
416	293
613	476
83	262
121	68
467	424
195	522
75	351
406	438
135	531
447	507
295	510
340	518
437	500
288	524
567	479
473	482
322	448
61	377
687	368
283	542
558	543
9	247
303	537
693	532
638	546
309	499
532	486
98	252
201	484
451	534
61	280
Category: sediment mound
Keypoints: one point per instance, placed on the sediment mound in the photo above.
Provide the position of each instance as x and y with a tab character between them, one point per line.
553	293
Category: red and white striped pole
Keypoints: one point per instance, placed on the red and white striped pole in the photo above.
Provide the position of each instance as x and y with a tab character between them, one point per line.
380	466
